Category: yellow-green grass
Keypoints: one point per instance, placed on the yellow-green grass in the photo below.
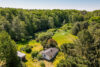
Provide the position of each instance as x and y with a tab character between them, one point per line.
64	37
59	57
30	61
61	37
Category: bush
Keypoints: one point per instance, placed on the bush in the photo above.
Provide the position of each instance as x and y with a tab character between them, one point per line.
66	27
22	49
51	43
42	64
43	38
34	54
51	30
23	64
39	56
28	49
79	26
62	64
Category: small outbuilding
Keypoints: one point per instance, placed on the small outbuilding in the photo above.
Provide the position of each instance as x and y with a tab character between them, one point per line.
21	55
49	53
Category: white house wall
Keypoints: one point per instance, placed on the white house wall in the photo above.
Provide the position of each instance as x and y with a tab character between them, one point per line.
47	57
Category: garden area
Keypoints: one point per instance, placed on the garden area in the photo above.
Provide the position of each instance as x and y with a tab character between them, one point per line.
32	46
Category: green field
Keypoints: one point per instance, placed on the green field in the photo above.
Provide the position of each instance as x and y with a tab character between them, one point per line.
64	37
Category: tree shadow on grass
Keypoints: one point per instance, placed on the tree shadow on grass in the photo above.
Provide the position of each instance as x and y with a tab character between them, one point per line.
23	42
25	60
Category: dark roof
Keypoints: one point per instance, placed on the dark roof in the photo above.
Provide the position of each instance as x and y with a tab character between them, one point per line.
51	52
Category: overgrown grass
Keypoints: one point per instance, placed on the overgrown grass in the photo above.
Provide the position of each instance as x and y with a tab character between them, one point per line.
64	37
59	57
30	61
60	36
36	47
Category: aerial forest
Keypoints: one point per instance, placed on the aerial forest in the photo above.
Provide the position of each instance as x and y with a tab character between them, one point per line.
44	27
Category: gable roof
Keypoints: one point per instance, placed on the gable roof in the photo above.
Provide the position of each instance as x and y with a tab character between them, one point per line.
21	55
51	52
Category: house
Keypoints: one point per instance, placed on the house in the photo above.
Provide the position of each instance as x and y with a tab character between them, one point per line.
21	55
49	54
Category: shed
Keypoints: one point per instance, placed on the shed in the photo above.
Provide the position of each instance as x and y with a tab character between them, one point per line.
21	55
49	53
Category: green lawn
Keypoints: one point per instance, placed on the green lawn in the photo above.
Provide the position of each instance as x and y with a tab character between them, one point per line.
64	37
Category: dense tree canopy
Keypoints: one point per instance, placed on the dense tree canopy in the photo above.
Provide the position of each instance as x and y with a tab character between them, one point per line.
22	24
8	51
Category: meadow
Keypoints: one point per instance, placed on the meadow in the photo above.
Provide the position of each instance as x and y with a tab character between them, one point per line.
64	37
60	37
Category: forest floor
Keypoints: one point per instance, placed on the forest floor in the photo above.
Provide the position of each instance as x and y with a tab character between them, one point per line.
61	37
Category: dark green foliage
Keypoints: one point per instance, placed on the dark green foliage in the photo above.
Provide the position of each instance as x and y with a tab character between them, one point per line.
89	40
68	48
8	52
76	28
44	37
51	43
85	37
21	24
23	64
42	64
79	26
66	27
39	56
34	54
95	19
28	49
51	31
62	63
71	61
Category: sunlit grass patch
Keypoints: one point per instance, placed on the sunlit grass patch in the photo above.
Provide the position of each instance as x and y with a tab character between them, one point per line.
60	36
36	47
59	57
64	37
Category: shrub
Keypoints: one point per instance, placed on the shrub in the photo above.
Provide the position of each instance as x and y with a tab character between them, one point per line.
79	26
43	38
42	64
34	54
22	49
52	30
28	49
39	56
51	43
62	63
66	27
23	64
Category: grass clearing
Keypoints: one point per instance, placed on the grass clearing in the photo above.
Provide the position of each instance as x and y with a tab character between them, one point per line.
64	37
30	61
60	36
